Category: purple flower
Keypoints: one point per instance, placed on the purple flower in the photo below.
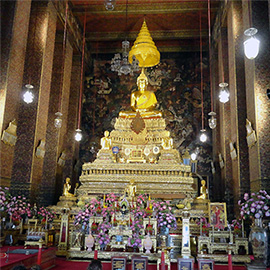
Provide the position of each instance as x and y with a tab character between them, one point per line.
257	215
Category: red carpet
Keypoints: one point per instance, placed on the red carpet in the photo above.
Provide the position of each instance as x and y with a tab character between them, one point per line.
47	258
49	261
62	263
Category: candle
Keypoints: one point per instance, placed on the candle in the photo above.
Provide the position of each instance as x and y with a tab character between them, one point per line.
243	233
200	226
46	222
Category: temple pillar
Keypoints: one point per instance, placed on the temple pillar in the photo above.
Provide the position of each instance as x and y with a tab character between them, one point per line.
32	119
15	23
55	158
70	144
218	182
257	82
224	112
237	101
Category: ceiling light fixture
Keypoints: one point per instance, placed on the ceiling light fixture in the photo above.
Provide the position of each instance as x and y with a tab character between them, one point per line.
252	44
203	136
120	64
58	119
109	4
213	120
224	93
28	95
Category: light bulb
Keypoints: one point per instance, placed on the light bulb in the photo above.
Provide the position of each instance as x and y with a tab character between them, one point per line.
78	135
224	93
213	120
203	137
28	96
251	45
193	156
109	4
58	120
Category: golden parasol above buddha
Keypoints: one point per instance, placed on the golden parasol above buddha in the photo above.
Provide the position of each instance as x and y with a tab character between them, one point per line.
143	100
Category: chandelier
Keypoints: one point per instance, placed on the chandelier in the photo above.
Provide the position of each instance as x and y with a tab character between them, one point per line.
120	63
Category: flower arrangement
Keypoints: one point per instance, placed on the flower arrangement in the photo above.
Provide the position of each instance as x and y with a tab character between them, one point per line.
103	237
17	207
5	197
148	211
82	217
165	216
44	213
149	229
135	240
255	206
236	226
204	225
94	227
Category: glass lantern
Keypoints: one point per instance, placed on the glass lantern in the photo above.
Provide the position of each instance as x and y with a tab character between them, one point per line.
252	44
213	120
224	93
58	120
28	95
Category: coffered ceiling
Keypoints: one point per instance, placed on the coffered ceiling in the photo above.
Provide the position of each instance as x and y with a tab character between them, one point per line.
173	24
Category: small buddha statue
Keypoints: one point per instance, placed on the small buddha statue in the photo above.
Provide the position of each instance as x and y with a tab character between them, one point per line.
66	188
142	100
167	142
105	141
203	191
130	190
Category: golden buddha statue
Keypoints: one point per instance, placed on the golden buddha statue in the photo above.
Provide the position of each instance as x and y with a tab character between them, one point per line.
130	191
142	100
203	191
66	188
105	142
167	142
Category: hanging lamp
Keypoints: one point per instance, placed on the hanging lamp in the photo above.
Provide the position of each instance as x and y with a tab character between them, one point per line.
120	63
252	44
203	136
28	95
212	121
78	134
58	120
224	93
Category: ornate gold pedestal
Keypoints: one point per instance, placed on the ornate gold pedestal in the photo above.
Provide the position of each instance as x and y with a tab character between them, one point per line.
66	202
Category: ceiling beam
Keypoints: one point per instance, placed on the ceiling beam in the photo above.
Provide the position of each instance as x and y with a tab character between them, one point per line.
156	35
147	8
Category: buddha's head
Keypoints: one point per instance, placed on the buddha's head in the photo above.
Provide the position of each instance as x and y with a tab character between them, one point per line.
106	133
203	182
142	81
68	180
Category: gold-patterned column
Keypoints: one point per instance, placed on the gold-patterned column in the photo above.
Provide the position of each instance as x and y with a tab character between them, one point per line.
12	68
257	83
27	168
44	97
70	144
224	111
55	158
238	148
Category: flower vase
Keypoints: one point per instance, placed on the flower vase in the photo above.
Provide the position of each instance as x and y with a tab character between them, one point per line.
102	246
147	244
257	238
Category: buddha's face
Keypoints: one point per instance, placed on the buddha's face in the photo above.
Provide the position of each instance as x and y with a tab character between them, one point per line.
142	84
106	133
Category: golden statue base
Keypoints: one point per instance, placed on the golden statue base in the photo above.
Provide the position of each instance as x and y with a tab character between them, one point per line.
140	157
66	201
200	204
